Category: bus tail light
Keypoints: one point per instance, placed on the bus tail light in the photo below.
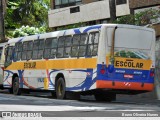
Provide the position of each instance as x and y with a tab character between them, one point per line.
102	71
103	68
152	73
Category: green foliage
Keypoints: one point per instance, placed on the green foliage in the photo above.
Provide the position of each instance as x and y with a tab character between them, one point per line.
26	30
128	19
141	18
80	24
26	12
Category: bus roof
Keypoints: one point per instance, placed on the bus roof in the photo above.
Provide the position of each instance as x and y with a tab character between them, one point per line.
74	31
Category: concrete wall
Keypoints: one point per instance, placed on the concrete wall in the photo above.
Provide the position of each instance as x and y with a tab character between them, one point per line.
88	12
123	9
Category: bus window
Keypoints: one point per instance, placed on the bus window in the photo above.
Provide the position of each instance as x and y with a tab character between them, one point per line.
1	48
53	53
24	55
50	48
38	47
74	51
60	52
9	55
29	50
47	53
84	39
68	41
82	45
76	39
82	51
48	43
61	41
75	46
60	49
18	49
93	44
67	47
54	48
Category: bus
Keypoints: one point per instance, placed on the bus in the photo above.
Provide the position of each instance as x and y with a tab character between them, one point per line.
101	60
2	60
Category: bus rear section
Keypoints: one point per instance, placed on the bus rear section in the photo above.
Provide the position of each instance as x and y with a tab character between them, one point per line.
128	66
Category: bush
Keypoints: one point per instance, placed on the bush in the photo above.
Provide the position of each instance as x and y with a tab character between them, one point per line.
26	30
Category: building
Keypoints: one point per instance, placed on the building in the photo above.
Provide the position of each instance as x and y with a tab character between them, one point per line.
68	12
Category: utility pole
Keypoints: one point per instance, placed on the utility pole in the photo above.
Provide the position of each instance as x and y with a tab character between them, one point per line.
112	5
2	32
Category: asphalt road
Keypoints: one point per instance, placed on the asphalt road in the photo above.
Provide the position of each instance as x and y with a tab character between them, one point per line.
42	104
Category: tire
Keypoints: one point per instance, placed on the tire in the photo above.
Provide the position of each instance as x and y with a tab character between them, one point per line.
60	89
16	89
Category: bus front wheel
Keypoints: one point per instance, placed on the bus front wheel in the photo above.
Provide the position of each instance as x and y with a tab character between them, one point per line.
60	89
16	89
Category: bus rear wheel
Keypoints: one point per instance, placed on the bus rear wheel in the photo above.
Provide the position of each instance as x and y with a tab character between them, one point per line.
16	89
60	89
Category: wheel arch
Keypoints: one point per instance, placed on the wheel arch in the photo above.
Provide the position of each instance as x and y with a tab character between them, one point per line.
59	75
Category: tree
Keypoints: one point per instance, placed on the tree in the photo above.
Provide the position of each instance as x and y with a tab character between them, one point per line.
141	18
26	12
2	11
112	5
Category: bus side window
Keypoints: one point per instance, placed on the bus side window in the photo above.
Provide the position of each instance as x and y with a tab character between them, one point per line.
47	50
83	45
50	48
18	51
29	50
67	47
54	48
93	44
1	48
38	47
75	46
24	55
9	56
60	50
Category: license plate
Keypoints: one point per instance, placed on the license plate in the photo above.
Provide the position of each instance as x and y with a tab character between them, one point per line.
128	76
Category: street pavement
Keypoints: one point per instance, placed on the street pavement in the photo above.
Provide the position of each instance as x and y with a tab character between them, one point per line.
43	103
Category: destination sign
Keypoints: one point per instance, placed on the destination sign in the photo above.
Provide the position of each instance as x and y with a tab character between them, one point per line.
29	65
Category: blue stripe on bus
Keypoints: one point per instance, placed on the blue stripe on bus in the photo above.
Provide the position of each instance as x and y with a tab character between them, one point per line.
20	72
85	85
8	74
20	39
91	28
77	31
